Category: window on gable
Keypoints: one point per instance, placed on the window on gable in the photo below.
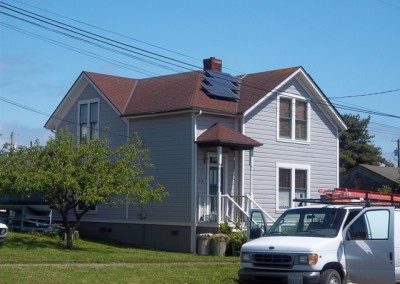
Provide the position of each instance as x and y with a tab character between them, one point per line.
94	112
285	118
293	119
88	120
293	183
301	120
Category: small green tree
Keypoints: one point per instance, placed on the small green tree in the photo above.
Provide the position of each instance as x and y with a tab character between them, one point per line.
385	189
70	175
356	145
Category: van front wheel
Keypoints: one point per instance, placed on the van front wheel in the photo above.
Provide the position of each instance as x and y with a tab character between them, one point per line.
330	276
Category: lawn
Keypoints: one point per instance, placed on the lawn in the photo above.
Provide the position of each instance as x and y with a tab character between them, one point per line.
34	258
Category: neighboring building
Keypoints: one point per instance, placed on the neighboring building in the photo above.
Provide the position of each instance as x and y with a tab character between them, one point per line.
219	144
371	178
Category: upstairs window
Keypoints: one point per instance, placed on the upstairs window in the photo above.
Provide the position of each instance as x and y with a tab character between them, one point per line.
293	119
88	120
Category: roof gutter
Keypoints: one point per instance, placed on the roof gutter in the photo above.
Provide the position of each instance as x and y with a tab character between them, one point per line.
174	112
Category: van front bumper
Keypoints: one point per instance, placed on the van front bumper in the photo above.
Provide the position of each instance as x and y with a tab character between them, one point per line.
248	275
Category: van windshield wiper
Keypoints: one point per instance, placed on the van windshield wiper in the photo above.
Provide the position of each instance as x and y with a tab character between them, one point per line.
276	233
314	233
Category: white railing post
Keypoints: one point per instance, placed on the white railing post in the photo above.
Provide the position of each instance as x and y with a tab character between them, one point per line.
251	164
219	161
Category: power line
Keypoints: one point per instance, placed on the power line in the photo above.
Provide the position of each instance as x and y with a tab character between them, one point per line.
101	45
97	37
79	50
111	32
60	119
365	95
248	84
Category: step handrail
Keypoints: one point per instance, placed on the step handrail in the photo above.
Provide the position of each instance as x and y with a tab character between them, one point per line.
236	204
260	208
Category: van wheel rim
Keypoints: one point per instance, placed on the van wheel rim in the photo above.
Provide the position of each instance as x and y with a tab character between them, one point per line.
334	280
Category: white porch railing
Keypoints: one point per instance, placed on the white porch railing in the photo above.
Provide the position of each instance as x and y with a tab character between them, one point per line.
207	208
233	208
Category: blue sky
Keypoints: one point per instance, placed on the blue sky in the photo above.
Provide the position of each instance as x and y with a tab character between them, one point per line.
350	48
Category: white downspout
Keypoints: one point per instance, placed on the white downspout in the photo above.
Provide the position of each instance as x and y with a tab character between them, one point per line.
193	221
251	164
219	161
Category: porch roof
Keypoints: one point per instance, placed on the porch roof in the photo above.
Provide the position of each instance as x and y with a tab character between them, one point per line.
222	135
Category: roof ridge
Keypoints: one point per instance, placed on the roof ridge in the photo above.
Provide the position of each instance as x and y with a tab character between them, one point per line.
130	96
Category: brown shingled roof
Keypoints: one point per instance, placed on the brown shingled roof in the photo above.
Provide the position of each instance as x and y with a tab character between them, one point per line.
222	135
255	86
182	91
175	92
116	89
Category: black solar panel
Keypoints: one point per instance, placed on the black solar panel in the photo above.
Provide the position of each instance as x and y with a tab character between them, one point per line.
220	92
221	85
221	82
221	75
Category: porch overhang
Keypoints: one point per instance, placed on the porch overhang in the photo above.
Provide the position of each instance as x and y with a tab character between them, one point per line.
222	135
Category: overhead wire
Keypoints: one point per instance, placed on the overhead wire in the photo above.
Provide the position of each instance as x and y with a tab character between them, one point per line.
110	31
54	117
365	95
100	45
248	84
79	50
97	37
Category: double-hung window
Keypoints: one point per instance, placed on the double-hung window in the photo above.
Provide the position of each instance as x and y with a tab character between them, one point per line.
293	119
292	182
88	119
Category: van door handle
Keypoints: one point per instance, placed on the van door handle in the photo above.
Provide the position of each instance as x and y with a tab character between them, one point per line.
391	256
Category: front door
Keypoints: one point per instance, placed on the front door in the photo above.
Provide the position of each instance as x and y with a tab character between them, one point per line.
213	186
213	183
369	246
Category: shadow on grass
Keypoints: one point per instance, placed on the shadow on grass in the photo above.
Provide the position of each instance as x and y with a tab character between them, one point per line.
30	241
35	240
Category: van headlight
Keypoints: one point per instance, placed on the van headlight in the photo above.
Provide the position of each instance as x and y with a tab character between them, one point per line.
245	257
310	259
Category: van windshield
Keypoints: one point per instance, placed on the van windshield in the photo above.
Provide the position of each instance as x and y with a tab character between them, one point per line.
315	222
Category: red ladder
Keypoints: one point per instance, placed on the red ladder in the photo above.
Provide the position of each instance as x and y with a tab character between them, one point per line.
345	195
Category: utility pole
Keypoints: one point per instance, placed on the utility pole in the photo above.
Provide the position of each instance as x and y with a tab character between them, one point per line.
12	139
398	153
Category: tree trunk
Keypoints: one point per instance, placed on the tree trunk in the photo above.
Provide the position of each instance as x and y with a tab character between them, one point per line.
69	240
68	231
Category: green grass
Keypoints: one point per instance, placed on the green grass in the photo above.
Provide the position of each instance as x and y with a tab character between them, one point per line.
33	258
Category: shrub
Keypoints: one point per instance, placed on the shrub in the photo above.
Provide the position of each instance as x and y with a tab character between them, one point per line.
237	237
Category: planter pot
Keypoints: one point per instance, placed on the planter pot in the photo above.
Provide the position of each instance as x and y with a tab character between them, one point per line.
203	244
219	243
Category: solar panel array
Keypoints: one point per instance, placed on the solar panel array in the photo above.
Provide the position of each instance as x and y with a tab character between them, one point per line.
221	85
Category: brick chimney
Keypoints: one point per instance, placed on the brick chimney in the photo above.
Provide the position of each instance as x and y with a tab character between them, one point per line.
213	64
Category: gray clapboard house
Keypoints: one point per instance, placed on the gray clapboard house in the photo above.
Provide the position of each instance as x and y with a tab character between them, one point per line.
220	145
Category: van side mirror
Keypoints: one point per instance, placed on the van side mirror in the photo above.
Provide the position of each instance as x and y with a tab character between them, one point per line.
257	226
255	233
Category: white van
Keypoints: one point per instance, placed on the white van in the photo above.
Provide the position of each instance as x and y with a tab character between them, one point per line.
324	244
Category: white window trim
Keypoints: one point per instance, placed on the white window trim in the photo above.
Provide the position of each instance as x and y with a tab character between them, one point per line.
87	102
293	139
292	167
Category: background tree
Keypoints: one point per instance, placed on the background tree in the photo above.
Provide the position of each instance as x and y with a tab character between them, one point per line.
356	146
71	176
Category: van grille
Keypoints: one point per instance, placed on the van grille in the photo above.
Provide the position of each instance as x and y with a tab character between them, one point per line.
272	260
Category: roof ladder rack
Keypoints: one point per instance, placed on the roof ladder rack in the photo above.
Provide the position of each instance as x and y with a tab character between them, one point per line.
345	196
